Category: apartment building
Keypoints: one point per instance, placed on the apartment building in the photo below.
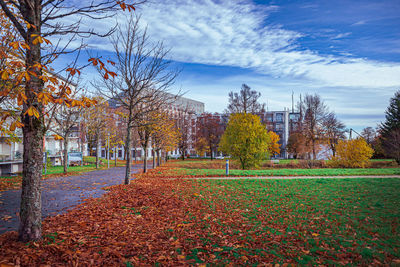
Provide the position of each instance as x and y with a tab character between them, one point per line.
11	153
184	110
282	123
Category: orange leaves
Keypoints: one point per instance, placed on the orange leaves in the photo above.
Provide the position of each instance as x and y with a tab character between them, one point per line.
94	61
21	98
273	143
98	63
58	137
73	71
111	62
30	26
19	44
125	6
4	74
32	111
44	98
16	124
39	39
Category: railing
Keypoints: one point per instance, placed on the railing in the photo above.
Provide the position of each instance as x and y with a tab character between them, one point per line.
17	155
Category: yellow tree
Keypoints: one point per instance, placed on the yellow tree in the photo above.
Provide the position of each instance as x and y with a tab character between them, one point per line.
96	118
246	140
165	135
354	153
116	130
146	127
273	146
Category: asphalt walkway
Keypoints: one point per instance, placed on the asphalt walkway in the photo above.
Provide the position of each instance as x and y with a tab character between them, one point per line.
61	193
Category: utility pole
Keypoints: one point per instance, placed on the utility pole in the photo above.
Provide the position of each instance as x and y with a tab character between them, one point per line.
350	132
292	102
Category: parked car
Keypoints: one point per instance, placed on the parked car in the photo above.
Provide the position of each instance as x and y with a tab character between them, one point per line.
177	156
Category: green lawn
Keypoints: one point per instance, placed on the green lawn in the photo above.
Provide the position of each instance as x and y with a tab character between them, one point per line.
292	172
60	169
329	222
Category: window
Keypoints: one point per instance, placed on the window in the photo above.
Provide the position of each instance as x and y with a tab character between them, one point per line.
294	117
279	117
279	127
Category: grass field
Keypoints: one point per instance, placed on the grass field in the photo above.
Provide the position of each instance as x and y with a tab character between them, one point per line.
292	172
168	171
311	221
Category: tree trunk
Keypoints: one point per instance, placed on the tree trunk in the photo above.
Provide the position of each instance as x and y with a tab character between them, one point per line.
66	153
30	227
333	148
154	158
145	159
128	153
98	148
115	156
134	153
313	150
183	154
158	158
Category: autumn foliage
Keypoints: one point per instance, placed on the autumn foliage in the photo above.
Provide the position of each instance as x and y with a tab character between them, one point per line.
247	140
354	153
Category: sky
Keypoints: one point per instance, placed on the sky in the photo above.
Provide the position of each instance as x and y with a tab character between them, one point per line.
348	52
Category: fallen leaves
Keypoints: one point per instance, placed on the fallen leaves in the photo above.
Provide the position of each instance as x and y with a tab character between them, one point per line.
179	222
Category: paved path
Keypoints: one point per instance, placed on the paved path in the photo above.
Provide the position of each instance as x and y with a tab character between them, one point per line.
285	177
62	193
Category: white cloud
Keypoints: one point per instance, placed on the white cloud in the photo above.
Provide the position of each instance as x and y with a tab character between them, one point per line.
237	33
233	33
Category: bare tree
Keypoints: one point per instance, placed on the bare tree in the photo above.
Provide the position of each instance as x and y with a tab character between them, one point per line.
209	129
66	121
246	101
314	112
369	134
144	76
334	130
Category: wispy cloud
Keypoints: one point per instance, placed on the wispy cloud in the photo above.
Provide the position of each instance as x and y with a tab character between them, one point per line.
233	33
341	35
239	33
360	22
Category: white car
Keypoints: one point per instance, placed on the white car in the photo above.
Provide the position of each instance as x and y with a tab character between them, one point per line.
176	156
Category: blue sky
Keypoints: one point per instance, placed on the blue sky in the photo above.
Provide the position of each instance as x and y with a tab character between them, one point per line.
346	51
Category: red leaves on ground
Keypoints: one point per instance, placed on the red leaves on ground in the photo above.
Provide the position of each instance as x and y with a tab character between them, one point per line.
171	222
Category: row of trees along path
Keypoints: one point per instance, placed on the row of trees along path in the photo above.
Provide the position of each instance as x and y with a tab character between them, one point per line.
35	31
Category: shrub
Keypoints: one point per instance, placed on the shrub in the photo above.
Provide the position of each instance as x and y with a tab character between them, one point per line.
354	153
